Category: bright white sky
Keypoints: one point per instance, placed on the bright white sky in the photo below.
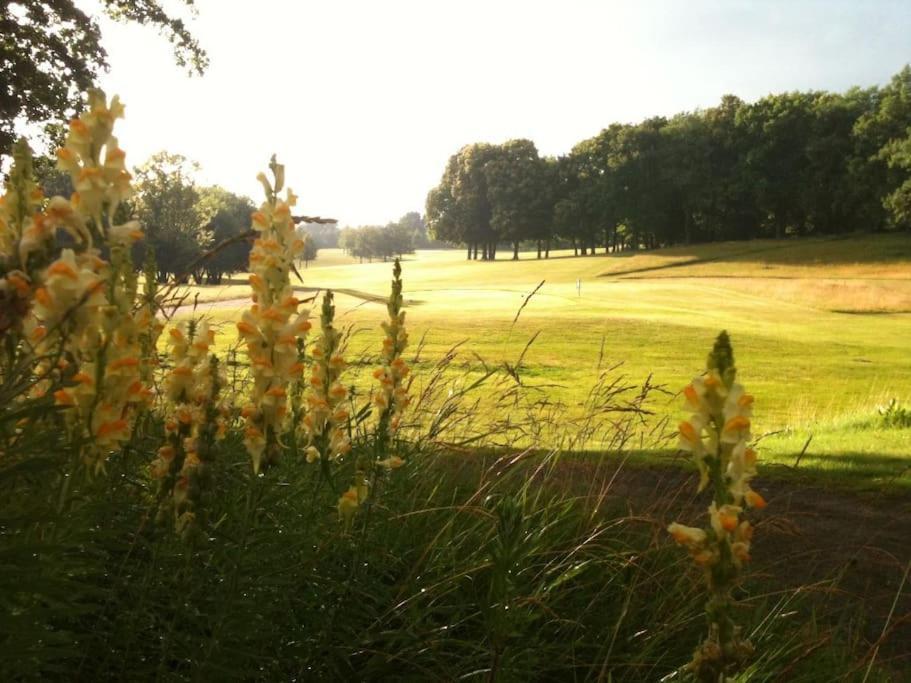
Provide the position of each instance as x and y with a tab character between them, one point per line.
365	101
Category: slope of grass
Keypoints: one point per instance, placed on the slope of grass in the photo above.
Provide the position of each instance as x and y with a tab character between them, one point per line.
815	369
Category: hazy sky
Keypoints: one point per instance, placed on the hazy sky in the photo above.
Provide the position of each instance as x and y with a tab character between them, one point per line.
365	101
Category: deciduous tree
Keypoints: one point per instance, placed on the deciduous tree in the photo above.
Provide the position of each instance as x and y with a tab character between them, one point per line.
51	52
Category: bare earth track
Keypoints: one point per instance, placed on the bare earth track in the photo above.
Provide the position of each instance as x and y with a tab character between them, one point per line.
848	550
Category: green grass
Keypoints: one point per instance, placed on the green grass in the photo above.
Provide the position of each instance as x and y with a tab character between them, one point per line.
820	328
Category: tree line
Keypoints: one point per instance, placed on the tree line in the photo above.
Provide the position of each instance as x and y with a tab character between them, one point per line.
396	238
201	233
796	163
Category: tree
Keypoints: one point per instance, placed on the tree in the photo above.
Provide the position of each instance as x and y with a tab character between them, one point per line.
175	223
591	199
876	134
517	192
399	239
898	202
730	208
323	235
443	220
834	198
375	241
51	52
229	219
414	223
357	242
311	248
458	209
778	127
685	169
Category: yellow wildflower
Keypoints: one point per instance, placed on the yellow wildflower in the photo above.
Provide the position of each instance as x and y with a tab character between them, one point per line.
717	436
272	327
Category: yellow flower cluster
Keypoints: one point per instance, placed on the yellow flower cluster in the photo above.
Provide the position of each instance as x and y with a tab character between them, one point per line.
85	303
24	230
70	311
392	398
101	182
326	421
196	420
272	328
717	436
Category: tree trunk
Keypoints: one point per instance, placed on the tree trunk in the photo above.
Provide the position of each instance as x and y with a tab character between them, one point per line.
539	249
484	253
515	251
547	249
606	241
575	248
469	251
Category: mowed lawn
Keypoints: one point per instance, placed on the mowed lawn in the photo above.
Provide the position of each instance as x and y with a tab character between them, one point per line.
821	329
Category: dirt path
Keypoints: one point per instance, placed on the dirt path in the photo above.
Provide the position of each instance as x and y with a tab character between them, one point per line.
850	551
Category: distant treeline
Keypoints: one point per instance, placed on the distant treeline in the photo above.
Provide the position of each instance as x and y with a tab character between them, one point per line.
385	241
798	163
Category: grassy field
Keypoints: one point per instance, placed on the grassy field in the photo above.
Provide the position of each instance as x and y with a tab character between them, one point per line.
821	328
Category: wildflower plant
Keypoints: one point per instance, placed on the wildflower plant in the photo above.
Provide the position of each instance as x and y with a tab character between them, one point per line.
390	400
326	422
195	420
717	436
25	243
87	295
273	329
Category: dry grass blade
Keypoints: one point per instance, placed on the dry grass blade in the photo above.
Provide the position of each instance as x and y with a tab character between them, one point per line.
526	300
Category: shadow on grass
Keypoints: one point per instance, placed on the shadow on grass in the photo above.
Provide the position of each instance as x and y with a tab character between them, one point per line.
780	252
848	472
697	260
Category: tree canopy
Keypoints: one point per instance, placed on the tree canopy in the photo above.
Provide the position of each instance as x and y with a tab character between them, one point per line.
228	219
194	231
51	52
796	163
382	241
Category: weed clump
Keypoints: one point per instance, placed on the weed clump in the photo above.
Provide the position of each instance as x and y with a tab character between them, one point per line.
893	415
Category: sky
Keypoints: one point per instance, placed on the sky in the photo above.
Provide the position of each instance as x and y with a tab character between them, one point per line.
365	101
